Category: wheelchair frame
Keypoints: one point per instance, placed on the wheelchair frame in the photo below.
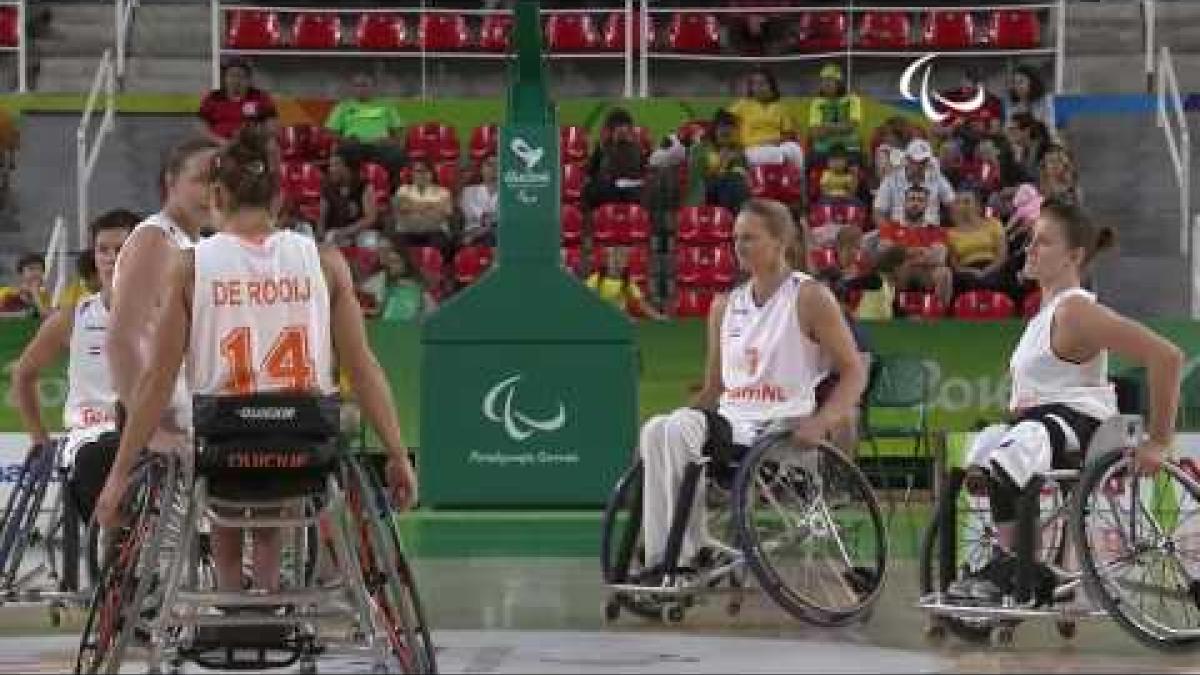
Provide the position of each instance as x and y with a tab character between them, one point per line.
744	549
151	590
59	539
940	556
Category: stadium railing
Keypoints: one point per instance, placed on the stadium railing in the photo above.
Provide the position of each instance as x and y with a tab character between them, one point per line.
103	92
124	23
1173	121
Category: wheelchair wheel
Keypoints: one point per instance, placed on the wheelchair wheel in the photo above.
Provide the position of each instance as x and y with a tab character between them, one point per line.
622	555
120	599
1140	549
389	578
24	507
812	529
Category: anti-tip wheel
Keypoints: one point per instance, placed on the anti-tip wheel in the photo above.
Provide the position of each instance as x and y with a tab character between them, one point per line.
935	629
1067	629
612	610
1003	636
672	613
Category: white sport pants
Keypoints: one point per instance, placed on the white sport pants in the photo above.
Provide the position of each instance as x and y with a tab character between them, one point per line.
668	444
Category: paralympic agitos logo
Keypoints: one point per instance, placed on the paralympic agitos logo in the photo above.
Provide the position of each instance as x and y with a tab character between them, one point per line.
499	406
927	97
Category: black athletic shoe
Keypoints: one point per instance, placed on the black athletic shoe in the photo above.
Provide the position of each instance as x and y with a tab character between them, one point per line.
861	580
988	584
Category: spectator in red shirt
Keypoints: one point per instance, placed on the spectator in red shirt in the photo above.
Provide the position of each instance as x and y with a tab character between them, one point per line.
223	111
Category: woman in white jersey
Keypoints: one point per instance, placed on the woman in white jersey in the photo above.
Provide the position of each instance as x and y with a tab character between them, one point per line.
1060	388
771	341
142	275
256	310
90	412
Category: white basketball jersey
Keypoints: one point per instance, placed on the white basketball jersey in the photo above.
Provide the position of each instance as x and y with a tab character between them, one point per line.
181	402
91	398
769	367
260	317
1040	377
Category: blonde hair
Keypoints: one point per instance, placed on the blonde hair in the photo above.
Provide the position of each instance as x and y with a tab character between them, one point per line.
778	220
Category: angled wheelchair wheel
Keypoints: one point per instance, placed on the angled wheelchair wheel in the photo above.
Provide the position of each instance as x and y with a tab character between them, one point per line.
121	600
24	507
390	581
812	530
1140	548
622	555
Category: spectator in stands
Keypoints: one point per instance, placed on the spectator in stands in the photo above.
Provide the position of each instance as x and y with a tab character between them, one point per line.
369	127
479	205
398	291
423	211
839	183
237	103
29	296
716	165
765	125
834	115
616	167
756	34
920	170
1057	178
1028	95
878	287
1027	139
968	127
976	245
348	203
893	136
613	284
924	265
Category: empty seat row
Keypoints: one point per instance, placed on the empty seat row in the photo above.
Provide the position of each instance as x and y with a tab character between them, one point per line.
979	305
578	32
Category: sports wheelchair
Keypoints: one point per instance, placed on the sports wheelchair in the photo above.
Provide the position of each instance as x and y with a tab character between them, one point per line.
804	520
40	551
267	461
1130	543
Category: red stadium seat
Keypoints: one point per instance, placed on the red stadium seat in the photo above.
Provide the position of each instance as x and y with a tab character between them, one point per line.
301	181
573	178
687	225
429	261
724	266
364	261
433	141
1032	304
571	219
376	175
639	265
983	306
572	258
317	30
693	131
781	182
884	30
688	265
571	33
446	174
573	141
295	142
822	31
620	224
483	141
443	33
692	303
253	29
381	32
823	258
984	174
470	263
614	34
704	225
1013	29
948	29
851	214
495	35
820	215
920	304
694	34
10	27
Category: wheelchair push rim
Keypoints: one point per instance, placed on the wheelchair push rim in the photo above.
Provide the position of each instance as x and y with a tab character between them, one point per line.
812	530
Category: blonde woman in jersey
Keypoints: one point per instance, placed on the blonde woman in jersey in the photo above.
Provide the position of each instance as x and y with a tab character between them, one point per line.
89	416
256	309
771	341
141	279
1060	388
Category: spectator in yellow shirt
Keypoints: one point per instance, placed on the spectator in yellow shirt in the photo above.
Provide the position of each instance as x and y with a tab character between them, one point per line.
29	296
613	285
834	115
838	182
765	125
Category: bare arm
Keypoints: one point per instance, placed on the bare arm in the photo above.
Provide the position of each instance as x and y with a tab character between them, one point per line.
156	384
144	264
822	317
51	340
710	393
355	355
1086	328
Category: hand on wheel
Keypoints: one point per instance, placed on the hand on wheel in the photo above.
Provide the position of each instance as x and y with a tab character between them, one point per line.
401	481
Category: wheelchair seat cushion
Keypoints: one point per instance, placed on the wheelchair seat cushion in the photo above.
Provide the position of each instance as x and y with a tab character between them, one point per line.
266	414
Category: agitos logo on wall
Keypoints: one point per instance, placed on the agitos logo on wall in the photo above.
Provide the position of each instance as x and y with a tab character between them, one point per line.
924	65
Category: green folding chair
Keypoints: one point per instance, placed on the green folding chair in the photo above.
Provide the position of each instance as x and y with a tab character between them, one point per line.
896	408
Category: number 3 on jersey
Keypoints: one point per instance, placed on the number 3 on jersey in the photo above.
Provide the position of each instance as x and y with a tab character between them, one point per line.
287	365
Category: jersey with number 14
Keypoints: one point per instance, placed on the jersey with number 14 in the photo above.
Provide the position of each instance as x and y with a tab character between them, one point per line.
260	317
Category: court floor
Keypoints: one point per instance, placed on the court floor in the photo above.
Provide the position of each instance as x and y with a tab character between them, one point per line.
544	614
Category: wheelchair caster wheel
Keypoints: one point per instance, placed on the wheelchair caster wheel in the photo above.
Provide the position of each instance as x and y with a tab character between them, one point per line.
734	608
612	610
672	614
55	617
935	630
1067	629
1003	636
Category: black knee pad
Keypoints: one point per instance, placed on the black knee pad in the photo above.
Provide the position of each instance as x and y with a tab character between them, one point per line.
90	471
1002	494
